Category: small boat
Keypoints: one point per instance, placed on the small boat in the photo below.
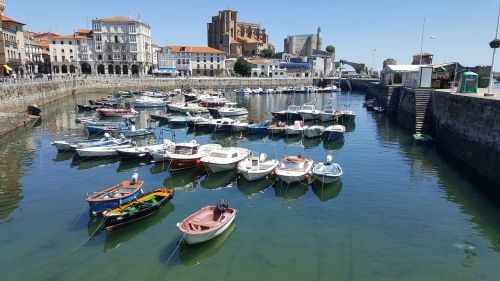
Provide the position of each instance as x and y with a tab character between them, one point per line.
213	101
239	126
420	138
347	116
115	196
224	159
124	113
256	167
178	120
222	125
207	223
34	110
187	107
106	124
294	169
84	119
160	117
327	172
379	109
314	131
95	130
71	146
133	132
296	129
276	128
146	101
143	151
187	155
291	113
139	208
101	151
261	128
88	107
231	109
330	114
334	132
243	91
200	121
308	112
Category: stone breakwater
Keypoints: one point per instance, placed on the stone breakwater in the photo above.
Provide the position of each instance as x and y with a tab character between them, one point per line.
465	125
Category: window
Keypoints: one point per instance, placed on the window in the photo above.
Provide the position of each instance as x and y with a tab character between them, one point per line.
70	58
211	59
112	29
116	39
70	42
198	59
71	50
132	38
134	57
124	57
77	42
204	59
131	28
55	58
62	50
218	59
98	46
62	42
99	56
211	66
133	47
54	42
218	66
110	57
97	27
98	38
178	61
198	66
63	58
116	56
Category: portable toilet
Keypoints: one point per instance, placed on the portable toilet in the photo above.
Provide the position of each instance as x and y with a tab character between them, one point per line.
468	82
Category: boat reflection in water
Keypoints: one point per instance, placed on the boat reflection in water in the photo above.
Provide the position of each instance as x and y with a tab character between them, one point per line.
218	180
159	167
63	156
130	231
327	191
80	163
129	164
311	143
333	144
291	191
186	179
349	127
194	254
251	188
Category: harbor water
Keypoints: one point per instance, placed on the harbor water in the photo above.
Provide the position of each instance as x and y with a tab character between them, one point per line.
399	212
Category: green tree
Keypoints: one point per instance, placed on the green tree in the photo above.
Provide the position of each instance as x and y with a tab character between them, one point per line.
267	53
242	67
330	49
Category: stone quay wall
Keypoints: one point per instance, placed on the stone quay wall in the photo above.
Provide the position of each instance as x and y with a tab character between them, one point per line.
465	125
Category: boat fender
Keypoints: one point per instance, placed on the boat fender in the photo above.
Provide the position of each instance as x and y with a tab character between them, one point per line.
329	159
120	201
135	177
306	177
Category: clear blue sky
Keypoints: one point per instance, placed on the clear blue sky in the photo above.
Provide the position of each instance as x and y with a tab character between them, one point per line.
462	28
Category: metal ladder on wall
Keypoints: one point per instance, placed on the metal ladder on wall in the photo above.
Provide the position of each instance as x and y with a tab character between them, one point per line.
422	108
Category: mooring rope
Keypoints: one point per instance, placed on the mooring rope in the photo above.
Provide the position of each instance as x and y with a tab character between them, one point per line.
175	250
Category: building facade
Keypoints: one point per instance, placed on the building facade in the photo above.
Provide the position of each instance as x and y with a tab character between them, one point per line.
303	45
198	61
167	62
13	45
235	38
267	68
33	50
71	54
122	46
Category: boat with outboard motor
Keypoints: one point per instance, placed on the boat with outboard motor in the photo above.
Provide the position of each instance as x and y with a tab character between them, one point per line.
296	129
334	132
185	155
308	112
314	131
327	172
224	159
256	167
232	109
291	113
120	112
294	169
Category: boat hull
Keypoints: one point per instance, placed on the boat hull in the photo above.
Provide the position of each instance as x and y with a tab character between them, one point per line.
181	164
307	116
257	130
313	133
332	135
97	207
196	238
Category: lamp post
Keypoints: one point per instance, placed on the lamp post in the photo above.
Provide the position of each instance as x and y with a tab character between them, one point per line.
494	45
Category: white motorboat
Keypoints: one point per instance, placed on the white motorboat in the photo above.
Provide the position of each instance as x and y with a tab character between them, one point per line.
294	169
187	107
348	116
327	172
314	131
100	151
142	151
308	112
334	132
106	141
329	113
296	129
207	223
187	155
224	159
239	126
147	101
222	124
243	91
232	109
256	167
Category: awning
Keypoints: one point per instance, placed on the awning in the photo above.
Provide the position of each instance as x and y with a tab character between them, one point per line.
8	68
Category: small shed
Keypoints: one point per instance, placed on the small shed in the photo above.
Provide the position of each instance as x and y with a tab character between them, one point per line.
468	82
407	75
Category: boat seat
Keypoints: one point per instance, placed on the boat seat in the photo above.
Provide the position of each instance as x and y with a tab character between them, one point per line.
208	224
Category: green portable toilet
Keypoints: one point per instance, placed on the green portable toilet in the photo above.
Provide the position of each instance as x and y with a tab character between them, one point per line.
468	82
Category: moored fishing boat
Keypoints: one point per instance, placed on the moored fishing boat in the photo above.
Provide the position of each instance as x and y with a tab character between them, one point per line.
70	146
188	154
327	172
114	196
294	169
232	109
139	208
256	167
124	113
334	132
291	113
296	129
101	151
239	126
222	124
143	151
330	114
314	131
420	138
224	159
160	117
261	128
276	128
207	223
147	101
308	112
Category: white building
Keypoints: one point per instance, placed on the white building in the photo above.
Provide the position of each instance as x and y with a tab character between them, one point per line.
13	35
71	54
198	61
122	46
33	50
167	62
267	68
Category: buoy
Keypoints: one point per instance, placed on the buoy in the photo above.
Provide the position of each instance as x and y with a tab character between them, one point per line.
306	177
197	161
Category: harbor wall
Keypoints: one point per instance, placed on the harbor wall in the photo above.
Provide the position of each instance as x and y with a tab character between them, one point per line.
466	126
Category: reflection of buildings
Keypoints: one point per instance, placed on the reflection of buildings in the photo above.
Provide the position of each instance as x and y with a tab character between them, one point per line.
236	38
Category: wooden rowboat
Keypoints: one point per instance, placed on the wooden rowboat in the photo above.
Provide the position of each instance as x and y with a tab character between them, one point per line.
142	207
207	223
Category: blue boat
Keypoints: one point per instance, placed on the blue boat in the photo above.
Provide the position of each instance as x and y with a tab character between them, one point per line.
261	128
93	130
334	132
160	117
114	196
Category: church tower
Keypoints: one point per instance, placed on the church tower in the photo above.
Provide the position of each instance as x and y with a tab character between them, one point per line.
318	39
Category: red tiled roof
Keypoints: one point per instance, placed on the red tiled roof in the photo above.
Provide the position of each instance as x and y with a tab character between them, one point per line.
83	30
46	34
7	19
69	37
194	49
116	19
44	43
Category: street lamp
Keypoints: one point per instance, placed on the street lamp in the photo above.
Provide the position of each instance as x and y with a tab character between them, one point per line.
494	45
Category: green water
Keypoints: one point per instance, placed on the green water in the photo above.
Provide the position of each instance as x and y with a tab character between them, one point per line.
400	211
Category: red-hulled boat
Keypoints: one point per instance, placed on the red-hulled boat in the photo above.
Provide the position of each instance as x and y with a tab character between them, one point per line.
124	113
188	154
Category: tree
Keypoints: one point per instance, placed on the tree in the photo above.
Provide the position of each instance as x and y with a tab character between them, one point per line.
243	67
330	49
267	53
